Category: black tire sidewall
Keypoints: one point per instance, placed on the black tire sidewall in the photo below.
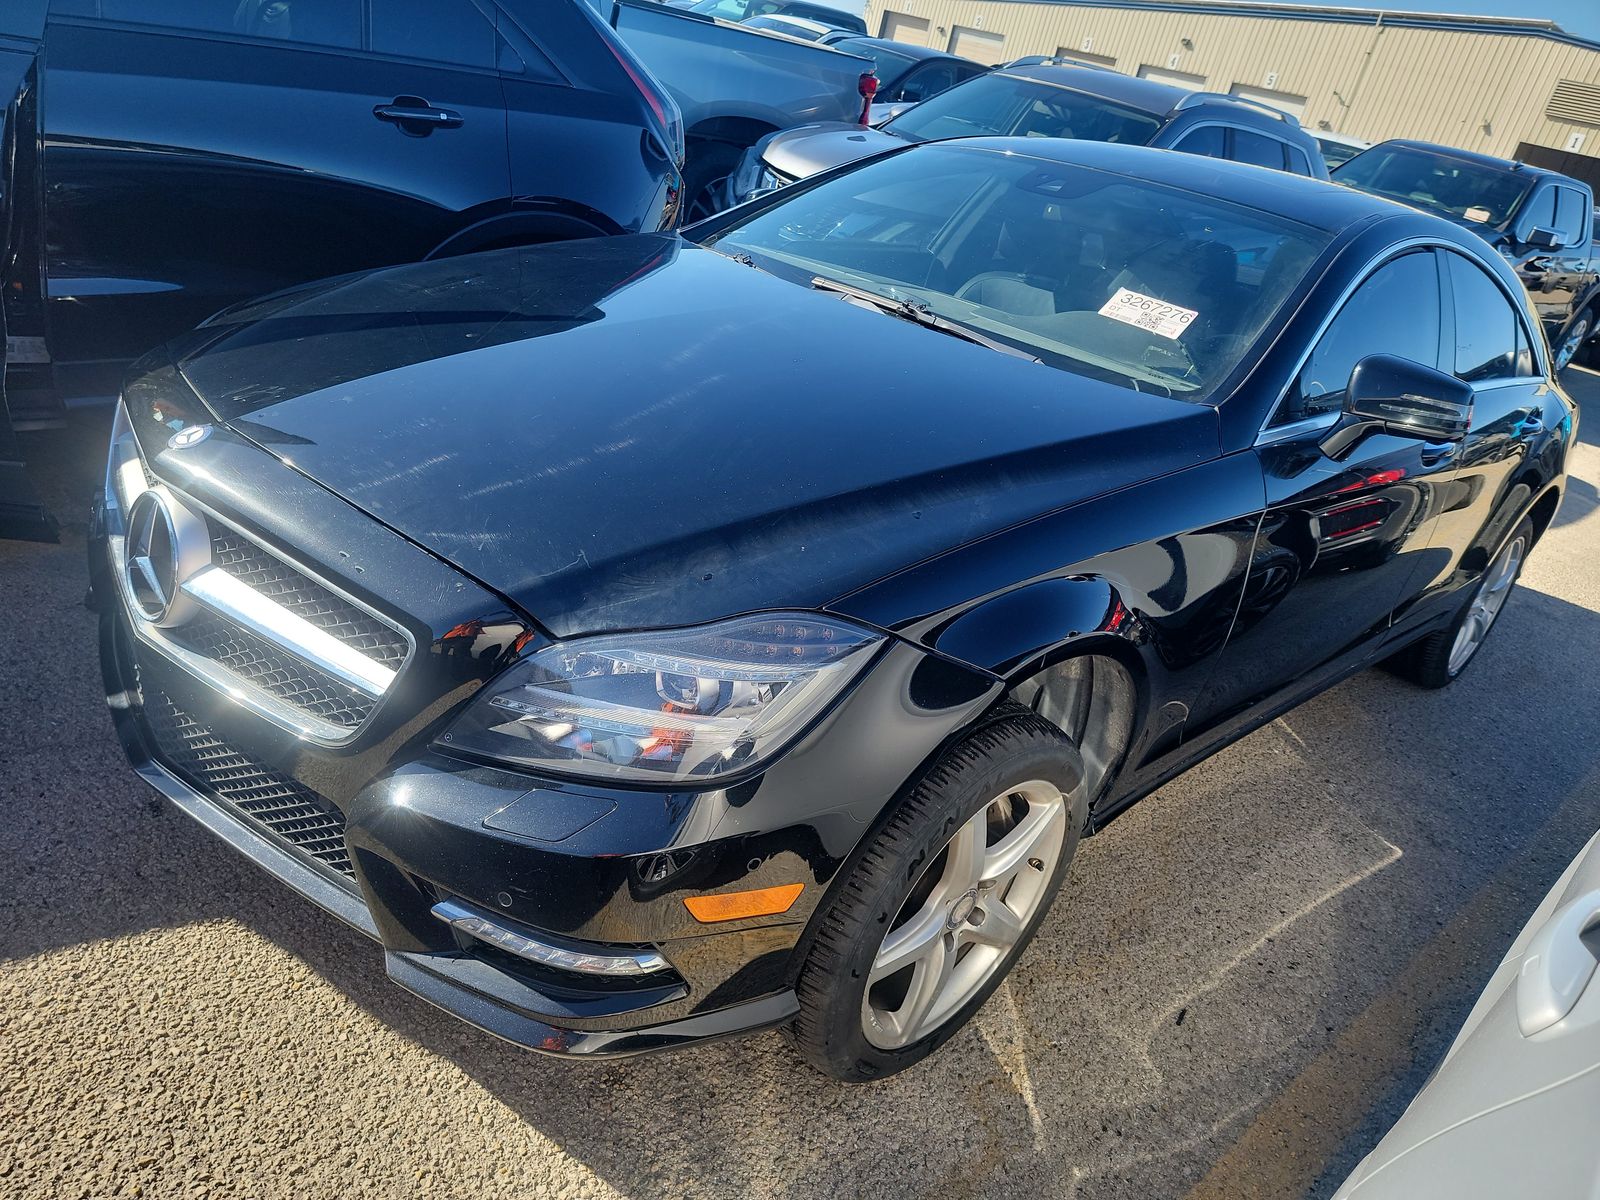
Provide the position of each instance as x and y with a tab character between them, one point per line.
949	793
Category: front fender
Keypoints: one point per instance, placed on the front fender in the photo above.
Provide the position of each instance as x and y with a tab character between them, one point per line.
1152	573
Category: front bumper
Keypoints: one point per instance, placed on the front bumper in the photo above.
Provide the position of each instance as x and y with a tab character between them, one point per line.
592	869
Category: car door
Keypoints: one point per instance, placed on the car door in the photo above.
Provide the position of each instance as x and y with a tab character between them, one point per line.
929	79
1344	542
1491	347
1566	265
199	152
1537	268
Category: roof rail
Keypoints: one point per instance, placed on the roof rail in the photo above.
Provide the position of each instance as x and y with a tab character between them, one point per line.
1055	60
1261	106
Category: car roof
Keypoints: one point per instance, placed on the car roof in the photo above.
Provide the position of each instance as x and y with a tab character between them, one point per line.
1313	202
1158	99
905	48
1147	94
1471	156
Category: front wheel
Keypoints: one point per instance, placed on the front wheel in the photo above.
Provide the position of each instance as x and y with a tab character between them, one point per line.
943	902
1571	348
1440	657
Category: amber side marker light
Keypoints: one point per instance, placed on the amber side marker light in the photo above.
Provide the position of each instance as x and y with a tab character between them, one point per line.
730	906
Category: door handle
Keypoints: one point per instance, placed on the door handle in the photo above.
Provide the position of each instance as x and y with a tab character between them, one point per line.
1558	965
408	110
1436	452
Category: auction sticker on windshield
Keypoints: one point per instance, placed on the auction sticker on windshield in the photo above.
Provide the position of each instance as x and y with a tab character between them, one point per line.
1146	312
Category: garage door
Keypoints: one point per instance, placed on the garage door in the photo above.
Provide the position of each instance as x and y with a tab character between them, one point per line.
1087	59
986	48
903	27
1181	79
1287	102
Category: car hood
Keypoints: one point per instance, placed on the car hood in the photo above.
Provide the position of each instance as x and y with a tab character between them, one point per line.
808	149
636	431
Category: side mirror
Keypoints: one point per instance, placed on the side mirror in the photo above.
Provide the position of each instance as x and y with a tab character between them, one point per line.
1401	397
1543	239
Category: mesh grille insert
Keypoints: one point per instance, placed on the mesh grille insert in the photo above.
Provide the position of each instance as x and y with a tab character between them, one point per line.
275	671
291	812
305	598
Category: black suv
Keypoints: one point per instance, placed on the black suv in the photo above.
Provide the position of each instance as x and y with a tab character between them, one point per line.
1542	222
196	155
1047	97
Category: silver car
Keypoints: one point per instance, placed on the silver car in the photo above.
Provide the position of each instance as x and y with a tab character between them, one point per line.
1047	98
1514	1109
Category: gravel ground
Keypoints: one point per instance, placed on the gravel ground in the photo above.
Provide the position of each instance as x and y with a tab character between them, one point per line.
1247	977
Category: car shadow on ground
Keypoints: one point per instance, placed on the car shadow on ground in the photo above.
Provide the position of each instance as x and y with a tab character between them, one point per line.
1212	949
1582	384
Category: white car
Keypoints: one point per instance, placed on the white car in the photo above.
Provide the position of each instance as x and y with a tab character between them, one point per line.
1337	147
796	27
1514	1109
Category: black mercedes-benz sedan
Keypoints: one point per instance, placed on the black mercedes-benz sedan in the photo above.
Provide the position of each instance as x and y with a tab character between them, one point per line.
660	637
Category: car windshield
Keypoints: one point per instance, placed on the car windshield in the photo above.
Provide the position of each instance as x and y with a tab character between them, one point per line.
1094	273
888	65
1009	106
1334	153
1451	187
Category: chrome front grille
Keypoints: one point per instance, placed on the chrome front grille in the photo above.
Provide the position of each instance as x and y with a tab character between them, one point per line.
304	597
240	618
287	811
262	664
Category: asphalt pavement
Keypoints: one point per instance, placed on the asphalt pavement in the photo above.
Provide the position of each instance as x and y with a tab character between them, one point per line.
1247	976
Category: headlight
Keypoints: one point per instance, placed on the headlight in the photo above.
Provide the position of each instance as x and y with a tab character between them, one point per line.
754	178
125	473
678	705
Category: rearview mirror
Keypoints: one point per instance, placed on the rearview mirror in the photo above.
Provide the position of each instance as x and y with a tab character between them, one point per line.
1544	239
1401	397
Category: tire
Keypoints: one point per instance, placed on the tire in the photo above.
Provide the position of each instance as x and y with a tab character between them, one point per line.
1441	658
705	176
930	841
1588	354
1574	341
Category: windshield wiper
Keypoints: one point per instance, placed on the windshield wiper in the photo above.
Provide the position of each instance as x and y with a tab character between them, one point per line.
920	314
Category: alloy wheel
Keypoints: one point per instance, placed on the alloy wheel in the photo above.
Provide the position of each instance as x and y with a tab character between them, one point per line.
966	912
1487	603
1572	343
706	201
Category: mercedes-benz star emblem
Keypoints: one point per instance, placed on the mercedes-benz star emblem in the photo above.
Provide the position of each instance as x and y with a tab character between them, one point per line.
166	544
192	436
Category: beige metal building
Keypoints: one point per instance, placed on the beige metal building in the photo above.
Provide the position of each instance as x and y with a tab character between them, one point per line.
1509	86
